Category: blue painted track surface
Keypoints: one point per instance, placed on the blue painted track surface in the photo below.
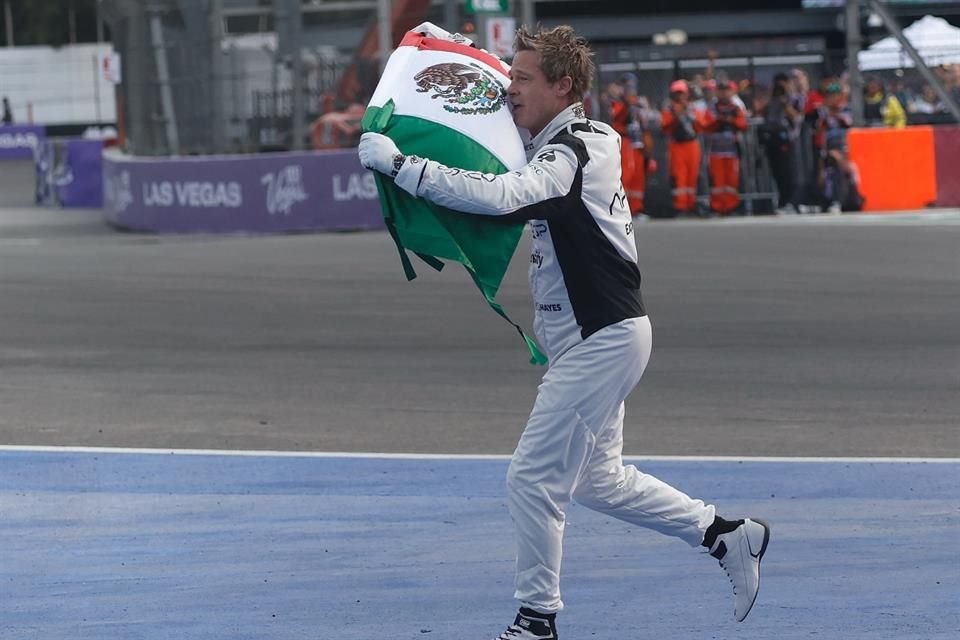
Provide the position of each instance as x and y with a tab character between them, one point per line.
161	546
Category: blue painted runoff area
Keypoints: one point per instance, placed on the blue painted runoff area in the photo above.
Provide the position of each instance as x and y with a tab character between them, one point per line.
127	546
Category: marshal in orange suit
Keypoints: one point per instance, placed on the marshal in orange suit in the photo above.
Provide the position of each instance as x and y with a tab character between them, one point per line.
725	119
682	124
628	118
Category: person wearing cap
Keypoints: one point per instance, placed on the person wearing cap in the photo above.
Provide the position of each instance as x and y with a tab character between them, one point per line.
682	125
628	117
724	121
838	178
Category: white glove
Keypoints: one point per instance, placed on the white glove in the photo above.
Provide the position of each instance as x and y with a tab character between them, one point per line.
380	153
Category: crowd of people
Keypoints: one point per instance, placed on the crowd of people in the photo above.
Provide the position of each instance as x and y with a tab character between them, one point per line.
703	122
801	134
798	132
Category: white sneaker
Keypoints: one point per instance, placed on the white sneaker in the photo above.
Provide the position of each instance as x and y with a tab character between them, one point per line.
834	208
530	625
789	209
739	553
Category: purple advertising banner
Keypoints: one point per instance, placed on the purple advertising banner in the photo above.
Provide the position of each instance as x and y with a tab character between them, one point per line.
20	140
80	180
276	192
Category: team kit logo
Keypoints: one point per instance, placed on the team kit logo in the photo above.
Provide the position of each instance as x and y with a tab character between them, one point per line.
466	89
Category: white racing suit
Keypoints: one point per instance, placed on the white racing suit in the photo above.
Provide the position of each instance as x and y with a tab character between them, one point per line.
590	320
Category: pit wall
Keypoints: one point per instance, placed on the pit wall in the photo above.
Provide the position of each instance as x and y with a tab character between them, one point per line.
265	193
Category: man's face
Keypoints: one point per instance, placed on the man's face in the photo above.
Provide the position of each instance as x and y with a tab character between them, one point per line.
535	101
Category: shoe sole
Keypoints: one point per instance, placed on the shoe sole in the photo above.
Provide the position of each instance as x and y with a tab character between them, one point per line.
759	556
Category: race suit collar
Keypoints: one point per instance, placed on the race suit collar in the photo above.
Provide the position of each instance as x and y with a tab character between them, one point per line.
561	120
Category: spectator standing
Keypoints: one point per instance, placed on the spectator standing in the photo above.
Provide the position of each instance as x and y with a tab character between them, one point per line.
881	108
777	135
838	177
926	102
950	77
833	120
806	159
7	111
724	122
902	92
746	94
682	125
628	116
735	94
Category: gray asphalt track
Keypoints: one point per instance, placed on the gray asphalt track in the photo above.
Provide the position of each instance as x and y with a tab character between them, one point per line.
789	337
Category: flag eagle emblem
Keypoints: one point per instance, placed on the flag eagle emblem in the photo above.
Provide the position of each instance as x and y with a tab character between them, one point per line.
467	89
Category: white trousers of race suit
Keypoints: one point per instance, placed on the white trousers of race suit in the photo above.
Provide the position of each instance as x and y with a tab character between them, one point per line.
571	450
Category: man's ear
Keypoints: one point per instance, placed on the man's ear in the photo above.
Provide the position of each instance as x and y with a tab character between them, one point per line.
564	86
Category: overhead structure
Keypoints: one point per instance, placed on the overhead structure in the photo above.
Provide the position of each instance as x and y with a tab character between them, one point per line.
935	39
880	8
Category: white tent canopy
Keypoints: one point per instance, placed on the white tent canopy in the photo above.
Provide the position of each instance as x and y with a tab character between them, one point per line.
935	39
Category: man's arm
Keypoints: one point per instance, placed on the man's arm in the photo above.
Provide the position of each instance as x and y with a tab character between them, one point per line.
549	175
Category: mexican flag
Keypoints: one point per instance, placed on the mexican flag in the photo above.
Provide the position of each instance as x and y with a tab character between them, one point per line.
442	99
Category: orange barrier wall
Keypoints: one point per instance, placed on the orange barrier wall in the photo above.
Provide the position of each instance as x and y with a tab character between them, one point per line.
897	167
947	145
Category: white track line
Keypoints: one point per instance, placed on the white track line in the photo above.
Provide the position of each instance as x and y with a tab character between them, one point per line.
442	456
870	218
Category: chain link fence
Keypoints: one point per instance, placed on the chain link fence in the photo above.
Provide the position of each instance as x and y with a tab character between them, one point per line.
188	88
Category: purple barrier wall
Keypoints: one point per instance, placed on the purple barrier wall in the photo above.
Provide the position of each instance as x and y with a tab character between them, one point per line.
20	140
80	183
297	191
946	142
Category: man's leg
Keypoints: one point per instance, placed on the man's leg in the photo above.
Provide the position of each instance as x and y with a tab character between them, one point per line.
543	472
625	493
694	157
677	176
609	487
580	394
733	181
717	184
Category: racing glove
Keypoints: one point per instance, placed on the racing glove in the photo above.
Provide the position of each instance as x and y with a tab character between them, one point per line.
380	153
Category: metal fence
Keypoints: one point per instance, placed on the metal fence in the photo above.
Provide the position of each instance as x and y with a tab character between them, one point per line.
188	88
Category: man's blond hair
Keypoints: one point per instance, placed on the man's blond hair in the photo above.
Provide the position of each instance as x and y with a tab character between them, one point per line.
562	53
